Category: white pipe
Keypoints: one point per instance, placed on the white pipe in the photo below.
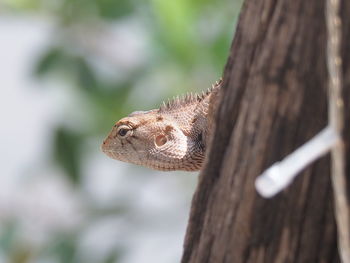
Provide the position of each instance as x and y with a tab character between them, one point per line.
282	173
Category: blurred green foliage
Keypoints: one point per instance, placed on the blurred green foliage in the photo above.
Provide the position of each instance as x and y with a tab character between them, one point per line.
186	44
67	152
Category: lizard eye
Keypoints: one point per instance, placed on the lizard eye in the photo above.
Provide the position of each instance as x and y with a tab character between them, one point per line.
123	131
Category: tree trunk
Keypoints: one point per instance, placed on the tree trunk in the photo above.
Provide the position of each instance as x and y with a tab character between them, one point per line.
274	100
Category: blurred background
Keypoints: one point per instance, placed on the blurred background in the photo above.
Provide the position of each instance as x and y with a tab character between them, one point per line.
68	70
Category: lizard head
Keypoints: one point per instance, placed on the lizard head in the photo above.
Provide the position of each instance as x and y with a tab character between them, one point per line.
150	139
173	137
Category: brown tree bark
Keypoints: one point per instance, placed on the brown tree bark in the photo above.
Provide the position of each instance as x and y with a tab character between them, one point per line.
275	99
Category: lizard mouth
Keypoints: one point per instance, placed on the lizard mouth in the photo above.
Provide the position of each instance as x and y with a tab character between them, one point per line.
113	154
104	147
108	150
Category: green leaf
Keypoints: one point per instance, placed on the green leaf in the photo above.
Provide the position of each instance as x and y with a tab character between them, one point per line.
67	147
175	20
63	247
8	236
48	61
112	9
85	75
113	258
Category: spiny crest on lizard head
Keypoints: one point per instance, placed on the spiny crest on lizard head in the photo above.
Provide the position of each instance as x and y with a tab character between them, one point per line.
188	99
168	138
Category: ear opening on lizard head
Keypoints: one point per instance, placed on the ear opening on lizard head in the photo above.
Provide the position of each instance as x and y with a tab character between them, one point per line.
160	140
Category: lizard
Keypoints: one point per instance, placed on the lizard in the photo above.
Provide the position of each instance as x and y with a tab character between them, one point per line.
173	137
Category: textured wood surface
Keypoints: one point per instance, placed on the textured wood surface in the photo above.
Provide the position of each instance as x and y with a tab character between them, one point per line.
275	88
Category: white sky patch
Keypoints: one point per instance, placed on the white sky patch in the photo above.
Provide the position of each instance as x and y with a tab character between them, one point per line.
26	111
31	190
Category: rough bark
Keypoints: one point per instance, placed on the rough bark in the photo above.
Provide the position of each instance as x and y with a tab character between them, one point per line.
275	88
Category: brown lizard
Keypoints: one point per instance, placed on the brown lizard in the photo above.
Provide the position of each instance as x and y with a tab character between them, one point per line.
173	137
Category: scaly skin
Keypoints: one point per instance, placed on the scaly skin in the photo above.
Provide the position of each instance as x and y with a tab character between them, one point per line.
173	137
